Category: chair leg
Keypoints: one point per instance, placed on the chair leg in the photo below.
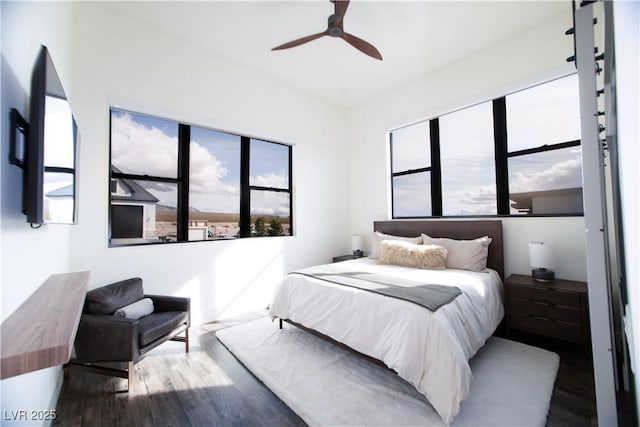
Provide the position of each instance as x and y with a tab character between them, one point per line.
184	339
131	374
128	374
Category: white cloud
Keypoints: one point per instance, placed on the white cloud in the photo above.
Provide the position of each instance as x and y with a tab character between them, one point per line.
269	203
270	180
470	200
139	149
411	195
207	172
564	174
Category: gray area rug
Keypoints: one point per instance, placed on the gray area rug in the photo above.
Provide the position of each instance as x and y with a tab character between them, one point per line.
329	386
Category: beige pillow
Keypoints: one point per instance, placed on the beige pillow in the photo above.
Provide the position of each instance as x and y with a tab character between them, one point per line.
463	254
399	252
378	237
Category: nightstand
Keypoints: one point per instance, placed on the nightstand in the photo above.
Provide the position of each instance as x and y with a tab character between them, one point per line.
346	257
556	309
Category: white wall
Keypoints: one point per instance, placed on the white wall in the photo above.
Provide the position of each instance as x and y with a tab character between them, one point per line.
28	256
121	61
627	37
531	57
118	61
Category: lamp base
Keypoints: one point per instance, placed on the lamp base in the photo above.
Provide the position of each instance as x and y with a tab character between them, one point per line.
543	275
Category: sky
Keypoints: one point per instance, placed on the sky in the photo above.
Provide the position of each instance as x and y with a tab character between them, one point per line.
146	145
58	147
59	151
544	114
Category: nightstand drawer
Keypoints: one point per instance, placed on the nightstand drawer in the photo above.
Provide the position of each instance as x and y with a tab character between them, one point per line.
545	295
557	309
550	328
545	310
341	258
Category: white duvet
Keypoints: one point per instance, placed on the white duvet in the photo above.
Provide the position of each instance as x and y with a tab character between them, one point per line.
428	349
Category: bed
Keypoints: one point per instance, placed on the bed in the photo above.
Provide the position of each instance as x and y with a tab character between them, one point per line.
429	349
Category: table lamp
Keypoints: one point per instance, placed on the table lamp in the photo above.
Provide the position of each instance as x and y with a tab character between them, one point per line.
542	258
356	245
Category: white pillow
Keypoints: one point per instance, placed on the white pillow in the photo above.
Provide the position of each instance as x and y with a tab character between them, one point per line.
136	310
399	252
378	237
463	254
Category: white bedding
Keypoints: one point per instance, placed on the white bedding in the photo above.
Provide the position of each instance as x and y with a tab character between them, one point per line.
428	349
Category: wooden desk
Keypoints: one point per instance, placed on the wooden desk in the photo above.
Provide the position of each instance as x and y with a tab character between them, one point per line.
40	333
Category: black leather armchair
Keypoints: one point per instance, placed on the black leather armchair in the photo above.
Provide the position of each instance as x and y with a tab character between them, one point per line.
105	337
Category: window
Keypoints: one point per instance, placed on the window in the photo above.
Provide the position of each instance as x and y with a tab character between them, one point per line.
544	162
269	184
214	184
173	182
514	155
411	171
468	173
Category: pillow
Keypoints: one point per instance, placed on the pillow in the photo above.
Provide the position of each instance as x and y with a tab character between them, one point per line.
378	237
463	254
107	299
399	252
136	310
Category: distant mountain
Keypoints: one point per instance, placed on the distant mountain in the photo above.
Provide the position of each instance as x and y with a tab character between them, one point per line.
164	208
168	213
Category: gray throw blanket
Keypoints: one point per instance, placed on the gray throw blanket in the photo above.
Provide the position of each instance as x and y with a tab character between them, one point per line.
428	296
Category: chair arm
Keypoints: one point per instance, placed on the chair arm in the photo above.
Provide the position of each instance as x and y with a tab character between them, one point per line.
105	338
163	303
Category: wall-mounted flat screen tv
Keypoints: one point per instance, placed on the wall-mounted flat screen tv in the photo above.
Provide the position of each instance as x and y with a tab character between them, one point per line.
50	166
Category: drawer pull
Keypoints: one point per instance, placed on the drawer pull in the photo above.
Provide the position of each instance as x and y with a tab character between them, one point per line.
543	318
545	304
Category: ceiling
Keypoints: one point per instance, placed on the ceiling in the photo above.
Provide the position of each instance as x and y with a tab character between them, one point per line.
414	37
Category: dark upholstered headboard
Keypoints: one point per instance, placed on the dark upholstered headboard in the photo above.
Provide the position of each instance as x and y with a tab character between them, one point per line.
462	230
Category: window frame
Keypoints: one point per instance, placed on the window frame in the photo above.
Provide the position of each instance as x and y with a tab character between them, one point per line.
501	158
435	176
182	183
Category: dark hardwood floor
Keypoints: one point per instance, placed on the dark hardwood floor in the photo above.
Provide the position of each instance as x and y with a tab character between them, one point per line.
574	400
209	387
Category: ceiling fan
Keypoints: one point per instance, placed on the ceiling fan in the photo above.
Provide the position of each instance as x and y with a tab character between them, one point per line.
334	29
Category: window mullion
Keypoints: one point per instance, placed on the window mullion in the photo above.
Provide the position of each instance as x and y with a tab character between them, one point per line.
411	171
290	191
436	172
182	214
543	148
245	190
274	189
393	207
500	141
120	175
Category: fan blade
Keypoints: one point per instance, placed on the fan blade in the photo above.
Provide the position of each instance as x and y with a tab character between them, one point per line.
363	46
300	41
340	8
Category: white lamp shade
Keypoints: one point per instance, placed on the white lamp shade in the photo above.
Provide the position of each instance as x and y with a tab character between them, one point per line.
542	255
356	243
